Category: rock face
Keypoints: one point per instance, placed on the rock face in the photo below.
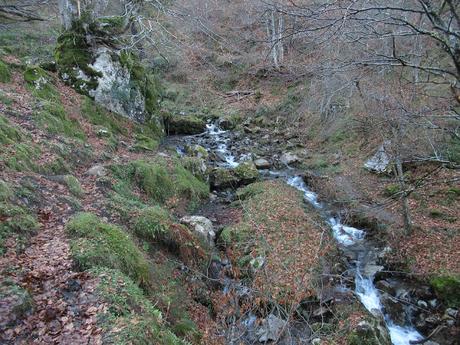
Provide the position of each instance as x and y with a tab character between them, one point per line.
380	161
115	89
202	226
87	58
271	329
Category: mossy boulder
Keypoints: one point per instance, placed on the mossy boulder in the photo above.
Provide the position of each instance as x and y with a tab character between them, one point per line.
114	79
95	243
184	124
5	73
448	289
222	178
370	333
247	172
243	174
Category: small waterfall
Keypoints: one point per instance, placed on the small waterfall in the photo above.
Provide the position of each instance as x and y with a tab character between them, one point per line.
364	284
215	132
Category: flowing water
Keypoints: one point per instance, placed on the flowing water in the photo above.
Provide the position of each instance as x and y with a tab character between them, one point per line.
346	236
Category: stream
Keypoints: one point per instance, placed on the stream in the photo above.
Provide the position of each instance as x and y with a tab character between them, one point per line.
351	240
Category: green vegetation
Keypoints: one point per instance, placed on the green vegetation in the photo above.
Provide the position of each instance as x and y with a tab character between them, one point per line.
448	289
23	301
16	220
147	83
98	244
131	317
391	190
74	186
145	143
184	124
161	180
5	73
21	156
9	134
53	117
247	172
152	223
73	54
40	84
97	115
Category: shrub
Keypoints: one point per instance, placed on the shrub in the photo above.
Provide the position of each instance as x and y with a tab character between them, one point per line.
98	244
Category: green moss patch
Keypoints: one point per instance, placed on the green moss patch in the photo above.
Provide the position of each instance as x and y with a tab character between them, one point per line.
72	55
9	134
5	73
145	143
152	223
16	220
162	180
97	115
41	83
131	317
184	124
98	244
448	289
53	117
74	186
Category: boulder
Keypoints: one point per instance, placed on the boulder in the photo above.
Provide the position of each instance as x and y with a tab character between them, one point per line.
270	329
222	178
262	163
202	226
380	162
185	124
370	332
97	170
288	158
87	59
226	123
245	173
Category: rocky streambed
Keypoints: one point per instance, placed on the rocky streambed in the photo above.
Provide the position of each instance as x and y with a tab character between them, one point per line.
408	310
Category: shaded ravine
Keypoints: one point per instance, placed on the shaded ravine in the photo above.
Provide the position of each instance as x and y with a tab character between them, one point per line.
349	239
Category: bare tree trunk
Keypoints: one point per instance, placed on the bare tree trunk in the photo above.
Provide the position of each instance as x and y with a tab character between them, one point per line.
280	38
404	197
274	39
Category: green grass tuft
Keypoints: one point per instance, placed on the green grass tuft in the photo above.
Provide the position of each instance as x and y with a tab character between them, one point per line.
152	223
98	244
131	317
41	84
74	186
16	220
5	73
54	118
